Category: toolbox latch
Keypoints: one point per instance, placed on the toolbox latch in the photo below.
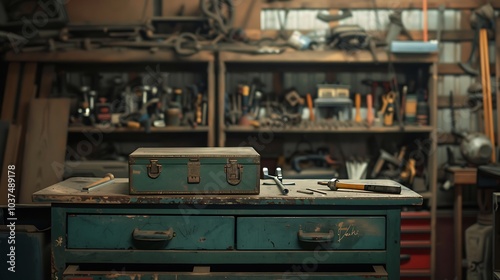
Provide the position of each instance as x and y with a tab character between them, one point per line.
234	172
193	171
154	169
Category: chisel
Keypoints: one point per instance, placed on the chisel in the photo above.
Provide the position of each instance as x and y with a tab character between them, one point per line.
380	186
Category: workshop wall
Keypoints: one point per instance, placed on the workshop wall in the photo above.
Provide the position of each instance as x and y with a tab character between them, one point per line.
375	20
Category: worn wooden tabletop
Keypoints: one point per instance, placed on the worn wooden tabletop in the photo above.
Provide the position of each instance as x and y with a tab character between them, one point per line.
117	191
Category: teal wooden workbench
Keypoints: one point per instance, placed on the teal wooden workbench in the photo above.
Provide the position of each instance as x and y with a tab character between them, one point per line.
107	232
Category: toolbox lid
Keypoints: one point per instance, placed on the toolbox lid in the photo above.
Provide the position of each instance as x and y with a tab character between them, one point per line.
202	152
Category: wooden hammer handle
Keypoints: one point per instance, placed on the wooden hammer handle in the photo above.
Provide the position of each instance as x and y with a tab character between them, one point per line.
106	178
372	188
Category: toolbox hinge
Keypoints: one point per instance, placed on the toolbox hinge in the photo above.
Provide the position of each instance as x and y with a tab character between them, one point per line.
234	172
154	168
193	171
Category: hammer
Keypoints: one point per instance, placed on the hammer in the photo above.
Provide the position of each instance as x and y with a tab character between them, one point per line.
367	185
108	177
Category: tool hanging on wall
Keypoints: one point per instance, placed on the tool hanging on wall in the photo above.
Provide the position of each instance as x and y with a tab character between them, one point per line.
481	18
475	147
396	27
486	83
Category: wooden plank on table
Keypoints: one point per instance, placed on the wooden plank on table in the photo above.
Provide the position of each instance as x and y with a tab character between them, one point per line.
45	147
46	81
10	93
10	158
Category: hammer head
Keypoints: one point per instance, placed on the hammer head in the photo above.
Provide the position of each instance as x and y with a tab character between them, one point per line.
332	184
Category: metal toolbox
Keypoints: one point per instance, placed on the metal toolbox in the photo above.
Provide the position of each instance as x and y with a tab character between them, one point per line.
194	171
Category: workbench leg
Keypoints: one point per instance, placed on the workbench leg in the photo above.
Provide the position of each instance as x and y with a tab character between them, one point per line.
58	243
457	213
393	243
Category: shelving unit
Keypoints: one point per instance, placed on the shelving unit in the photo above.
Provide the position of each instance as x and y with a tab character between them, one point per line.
330	129
122	60
173	129
333	61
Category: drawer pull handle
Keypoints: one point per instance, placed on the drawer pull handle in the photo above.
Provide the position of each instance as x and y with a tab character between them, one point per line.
153	235
316	236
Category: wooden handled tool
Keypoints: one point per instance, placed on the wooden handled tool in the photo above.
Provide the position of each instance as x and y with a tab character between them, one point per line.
382	186
310	107
108	177
357	101
369	107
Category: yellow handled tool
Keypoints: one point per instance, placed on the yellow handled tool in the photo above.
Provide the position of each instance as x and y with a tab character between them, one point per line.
108	177
380	186
357	101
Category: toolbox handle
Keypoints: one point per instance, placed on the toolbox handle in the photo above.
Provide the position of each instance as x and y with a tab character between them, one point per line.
153	235
316	236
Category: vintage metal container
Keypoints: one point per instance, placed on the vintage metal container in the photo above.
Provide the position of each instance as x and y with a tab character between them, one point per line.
232	170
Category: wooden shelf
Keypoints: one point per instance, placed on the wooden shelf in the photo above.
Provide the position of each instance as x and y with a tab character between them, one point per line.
353	129
455	69
337	56
183	129
108	55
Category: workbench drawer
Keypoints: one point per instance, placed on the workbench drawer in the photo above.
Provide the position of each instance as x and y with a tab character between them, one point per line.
307	233
152	232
